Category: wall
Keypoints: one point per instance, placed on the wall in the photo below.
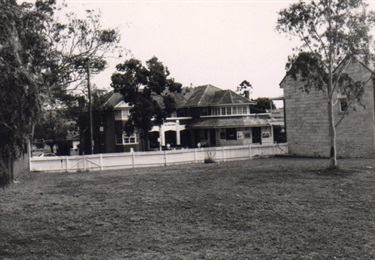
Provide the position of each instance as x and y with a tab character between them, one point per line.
355	134
307	120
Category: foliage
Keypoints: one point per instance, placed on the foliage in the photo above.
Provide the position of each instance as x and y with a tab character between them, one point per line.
52	128
24	55
332	32
210	156
39	59
244	87
80	44
262	105
139	85
80	48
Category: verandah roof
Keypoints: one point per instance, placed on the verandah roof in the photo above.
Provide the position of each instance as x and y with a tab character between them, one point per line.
208	123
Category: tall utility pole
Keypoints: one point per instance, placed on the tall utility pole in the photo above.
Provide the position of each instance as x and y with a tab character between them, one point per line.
90	107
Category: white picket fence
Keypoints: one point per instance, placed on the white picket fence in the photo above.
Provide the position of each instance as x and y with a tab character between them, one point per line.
113	161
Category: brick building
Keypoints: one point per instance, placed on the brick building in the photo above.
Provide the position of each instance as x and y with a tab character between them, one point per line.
306	118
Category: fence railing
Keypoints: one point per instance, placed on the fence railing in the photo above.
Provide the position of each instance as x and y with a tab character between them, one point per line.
113	161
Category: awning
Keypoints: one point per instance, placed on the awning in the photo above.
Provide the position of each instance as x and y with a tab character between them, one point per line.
209	123
278	122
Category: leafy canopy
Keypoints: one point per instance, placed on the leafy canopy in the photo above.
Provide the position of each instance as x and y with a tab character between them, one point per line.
140	85
330	31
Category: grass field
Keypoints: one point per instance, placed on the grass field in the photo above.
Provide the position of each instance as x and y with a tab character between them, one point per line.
276	208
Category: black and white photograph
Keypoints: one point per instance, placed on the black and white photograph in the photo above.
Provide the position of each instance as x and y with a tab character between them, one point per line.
187	129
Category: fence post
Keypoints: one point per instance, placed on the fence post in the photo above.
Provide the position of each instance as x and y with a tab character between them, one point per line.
85	162
133	158
250	151
223	151
67	163
165	158
195	155
101	162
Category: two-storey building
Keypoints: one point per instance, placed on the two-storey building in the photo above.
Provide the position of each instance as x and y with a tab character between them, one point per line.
205	116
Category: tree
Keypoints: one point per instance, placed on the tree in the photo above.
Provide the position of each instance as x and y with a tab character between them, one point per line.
244	88
139	84
262	105
332	32
24	55
52	128
81	47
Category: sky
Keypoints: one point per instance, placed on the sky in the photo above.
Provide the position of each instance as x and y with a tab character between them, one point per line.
201	42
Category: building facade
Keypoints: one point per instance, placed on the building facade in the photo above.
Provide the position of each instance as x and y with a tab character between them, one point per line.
306	118
205	116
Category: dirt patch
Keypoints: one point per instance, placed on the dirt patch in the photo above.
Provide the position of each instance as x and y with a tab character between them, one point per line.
270	208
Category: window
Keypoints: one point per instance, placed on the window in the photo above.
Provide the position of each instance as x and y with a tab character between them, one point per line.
125	139
247	133
223	111
343	105
122	114
119	139
217	111
118	115
231	133
244	110
229	110
234	110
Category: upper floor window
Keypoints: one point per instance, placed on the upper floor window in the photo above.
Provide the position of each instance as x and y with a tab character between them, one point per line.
229	110
122	114
234	110
244	110
343	105
226	111
223	111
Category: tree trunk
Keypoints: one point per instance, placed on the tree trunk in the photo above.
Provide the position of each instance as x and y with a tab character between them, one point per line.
332	129
332	136
145	141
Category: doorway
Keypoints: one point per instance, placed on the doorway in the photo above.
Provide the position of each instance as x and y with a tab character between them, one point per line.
257	135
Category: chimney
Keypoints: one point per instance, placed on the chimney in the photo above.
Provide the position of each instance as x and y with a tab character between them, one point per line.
247	94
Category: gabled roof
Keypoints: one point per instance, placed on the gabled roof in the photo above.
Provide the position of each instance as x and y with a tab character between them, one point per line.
352	58
121	105
114	98
208	95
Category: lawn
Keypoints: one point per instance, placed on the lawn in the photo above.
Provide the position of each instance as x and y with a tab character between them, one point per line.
276	208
